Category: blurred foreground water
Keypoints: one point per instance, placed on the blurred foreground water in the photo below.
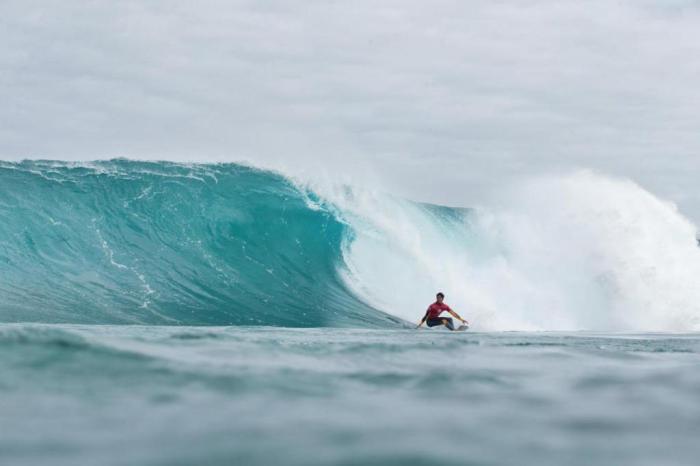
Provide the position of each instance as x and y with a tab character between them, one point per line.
151	395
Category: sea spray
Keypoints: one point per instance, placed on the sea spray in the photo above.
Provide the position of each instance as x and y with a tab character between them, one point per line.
580	251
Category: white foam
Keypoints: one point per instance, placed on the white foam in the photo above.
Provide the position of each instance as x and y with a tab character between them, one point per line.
576	252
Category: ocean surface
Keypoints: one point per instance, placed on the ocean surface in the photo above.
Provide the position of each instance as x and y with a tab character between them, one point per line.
158	313
164	395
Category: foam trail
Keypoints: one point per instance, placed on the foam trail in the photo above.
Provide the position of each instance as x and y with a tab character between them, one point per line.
575	252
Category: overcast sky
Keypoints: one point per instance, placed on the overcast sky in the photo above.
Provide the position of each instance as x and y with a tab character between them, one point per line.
441	100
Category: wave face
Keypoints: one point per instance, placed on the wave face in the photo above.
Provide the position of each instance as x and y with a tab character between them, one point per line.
162	243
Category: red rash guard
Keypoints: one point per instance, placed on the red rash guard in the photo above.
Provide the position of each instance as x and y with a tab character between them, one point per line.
435	309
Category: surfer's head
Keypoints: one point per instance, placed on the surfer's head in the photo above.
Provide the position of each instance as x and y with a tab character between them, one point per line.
440	296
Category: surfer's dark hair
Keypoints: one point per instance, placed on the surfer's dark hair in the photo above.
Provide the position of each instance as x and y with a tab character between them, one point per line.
441	294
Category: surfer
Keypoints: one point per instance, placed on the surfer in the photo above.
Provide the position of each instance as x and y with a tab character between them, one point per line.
432	315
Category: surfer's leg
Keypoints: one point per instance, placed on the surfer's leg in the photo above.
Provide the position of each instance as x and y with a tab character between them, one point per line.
447	322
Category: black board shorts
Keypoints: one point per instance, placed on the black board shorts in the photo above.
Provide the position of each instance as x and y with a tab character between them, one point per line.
438	321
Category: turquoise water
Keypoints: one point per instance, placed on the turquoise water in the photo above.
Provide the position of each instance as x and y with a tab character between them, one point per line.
162	243
135	395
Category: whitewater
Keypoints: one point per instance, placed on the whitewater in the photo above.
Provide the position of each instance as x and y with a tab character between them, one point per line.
161	313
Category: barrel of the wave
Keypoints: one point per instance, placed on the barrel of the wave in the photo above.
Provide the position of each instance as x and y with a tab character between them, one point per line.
165	243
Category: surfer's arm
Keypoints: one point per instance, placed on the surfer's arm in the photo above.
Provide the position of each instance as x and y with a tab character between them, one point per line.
422	321
456	316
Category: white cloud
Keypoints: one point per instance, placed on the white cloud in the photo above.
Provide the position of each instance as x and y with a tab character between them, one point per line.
445	99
